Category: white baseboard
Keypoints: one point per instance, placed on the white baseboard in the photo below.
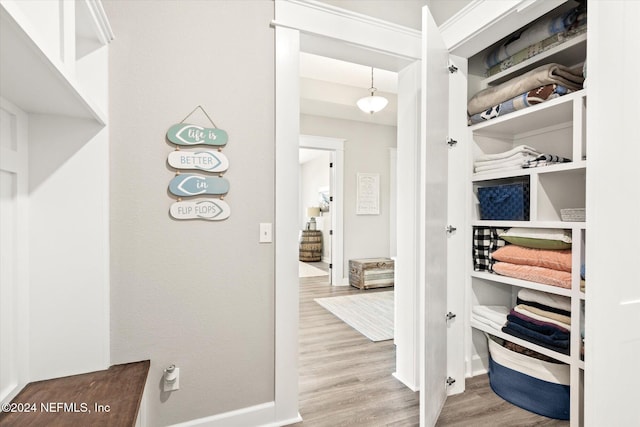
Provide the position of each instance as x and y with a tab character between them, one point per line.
262	415
479	365
409	385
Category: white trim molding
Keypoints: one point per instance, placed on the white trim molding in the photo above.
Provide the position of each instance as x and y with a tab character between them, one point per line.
262	415
342	34
287	128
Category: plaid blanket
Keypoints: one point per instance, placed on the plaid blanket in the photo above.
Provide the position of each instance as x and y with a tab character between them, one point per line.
485	242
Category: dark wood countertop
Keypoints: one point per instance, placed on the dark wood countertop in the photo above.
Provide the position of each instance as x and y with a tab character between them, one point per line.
99	399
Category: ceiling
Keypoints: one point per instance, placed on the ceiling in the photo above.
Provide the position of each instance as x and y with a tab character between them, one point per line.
331	88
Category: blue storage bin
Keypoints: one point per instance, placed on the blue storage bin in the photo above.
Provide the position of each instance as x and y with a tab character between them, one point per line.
508	202
541	396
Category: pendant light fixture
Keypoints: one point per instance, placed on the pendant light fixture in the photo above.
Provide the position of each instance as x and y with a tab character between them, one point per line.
373	103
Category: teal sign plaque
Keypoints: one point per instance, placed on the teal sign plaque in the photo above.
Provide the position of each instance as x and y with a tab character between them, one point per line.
212	210
206	160
186	134
187	185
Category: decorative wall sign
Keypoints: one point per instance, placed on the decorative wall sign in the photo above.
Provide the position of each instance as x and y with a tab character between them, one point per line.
209	209
186	185
368	197
190	184
205	160
186	134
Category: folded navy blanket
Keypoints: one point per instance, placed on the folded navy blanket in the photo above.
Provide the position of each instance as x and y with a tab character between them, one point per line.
549	330
511	331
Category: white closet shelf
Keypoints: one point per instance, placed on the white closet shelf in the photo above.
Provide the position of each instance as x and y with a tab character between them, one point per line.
529	224
552	113
521	283
543	350
35	82
580	165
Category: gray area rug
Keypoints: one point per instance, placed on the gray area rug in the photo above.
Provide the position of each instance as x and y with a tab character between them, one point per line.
370	314
308	270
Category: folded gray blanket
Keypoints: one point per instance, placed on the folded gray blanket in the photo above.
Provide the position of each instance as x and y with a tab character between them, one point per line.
541	76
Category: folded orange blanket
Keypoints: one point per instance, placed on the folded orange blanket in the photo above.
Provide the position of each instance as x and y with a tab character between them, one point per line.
554	259
542	275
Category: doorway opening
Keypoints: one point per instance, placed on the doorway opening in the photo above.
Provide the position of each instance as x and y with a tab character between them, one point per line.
298	30
316	215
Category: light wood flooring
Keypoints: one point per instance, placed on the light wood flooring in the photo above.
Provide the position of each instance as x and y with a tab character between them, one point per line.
345	379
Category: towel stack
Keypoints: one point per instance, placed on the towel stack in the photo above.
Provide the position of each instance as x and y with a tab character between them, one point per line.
532	258
518	157
541	318
494	316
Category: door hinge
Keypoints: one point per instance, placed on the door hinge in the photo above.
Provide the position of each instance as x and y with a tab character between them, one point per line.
330	232
451	142
331	164
450	229
331	198
452	68
450	316
330	265
450	381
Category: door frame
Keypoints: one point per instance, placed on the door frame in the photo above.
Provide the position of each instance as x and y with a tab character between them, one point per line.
328	31
14	280
336	146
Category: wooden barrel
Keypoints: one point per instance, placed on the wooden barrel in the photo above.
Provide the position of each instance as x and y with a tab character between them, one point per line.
311	245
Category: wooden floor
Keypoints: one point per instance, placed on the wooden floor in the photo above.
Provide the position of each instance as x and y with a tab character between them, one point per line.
479	406
345	379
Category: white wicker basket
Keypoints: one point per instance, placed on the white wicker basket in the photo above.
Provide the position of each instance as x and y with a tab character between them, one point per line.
573	214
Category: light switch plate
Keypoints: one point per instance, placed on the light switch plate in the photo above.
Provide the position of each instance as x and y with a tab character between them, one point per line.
266	232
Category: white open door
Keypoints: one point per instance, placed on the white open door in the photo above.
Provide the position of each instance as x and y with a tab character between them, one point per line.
434	149
612	336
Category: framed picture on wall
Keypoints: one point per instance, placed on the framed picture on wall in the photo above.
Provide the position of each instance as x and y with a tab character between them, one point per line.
368	196
324	198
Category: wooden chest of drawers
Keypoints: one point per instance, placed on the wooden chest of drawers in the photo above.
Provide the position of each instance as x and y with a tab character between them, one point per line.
371	273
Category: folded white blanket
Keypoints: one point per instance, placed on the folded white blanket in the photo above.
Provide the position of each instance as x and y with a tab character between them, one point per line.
556	301
507	154
516	160
492	315
521	156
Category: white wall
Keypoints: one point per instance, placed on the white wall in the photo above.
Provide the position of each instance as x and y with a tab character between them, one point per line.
441	10
68	245
366	150
195	293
